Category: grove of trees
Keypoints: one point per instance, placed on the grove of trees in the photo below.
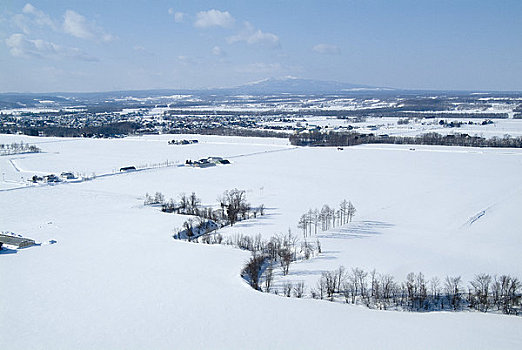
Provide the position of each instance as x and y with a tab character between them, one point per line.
17	148
233	207
326	218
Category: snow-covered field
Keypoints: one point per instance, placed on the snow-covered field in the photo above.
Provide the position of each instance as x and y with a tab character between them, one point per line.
116	278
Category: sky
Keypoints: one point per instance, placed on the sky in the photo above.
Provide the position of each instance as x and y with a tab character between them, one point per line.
81	46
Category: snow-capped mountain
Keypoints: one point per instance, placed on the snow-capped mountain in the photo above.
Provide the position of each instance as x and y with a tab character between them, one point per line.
301	86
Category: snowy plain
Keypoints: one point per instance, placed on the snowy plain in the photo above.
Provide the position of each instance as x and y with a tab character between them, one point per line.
116	278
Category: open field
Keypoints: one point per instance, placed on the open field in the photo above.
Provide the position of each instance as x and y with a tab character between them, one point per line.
116	278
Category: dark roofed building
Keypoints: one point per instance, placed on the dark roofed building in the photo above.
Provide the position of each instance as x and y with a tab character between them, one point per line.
18	242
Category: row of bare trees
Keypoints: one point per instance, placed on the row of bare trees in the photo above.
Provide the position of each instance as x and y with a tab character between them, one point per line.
267	254
233	207
326	218
484	293
17	148
280	250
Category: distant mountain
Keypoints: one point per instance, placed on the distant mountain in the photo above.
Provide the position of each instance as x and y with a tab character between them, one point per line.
272	86
301	86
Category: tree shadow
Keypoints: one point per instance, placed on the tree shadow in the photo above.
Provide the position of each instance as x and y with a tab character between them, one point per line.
357	230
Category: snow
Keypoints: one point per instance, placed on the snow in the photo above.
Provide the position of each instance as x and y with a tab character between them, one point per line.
116	278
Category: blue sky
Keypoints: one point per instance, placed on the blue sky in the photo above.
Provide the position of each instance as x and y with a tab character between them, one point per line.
113	45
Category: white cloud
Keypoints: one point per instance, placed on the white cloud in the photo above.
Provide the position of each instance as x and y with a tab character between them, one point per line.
22	22
78	26
39	17
253	36
218	51
213	18
20	46
186	60
31	17
327	49
261	37
179	17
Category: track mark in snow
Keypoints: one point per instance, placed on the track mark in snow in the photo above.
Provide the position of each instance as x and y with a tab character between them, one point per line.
263	152
14	165
483	212
476	217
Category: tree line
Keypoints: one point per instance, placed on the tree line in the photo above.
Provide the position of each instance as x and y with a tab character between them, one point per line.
326	218
352	138
278	251
484	293
233	207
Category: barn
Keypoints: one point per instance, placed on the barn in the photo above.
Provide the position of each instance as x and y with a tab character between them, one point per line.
14	241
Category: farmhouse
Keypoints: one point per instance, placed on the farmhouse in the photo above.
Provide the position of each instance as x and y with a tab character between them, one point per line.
203	163
67	175
182	142
206	162
17	242
36	178
51	178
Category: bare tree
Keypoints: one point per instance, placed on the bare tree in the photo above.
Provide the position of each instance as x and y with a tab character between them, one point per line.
285	256
453	287
234	202
299	289
330	282
252	270
341	276
325	217
343	208
287	289
269	277
316	219
193	204
302	224
481	285
159	198
188	226
387	285
183	203
350	212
